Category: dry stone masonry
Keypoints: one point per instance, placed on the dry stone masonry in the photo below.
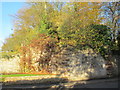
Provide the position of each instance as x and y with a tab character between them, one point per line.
70	63
79	65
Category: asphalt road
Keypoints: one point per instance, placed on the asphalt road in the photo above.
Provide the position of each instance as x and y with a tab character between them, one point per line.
105	83
100	83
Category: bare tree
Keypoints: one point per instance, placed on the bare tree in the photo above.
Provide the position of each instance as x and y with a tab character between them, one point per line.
112	14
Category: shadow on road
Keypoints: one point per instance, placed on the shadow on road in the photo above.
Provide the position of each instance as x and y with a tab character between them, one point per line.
39	83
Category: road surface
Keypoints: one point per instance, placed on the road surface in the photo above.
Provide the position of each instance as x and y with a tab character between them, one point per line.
100	83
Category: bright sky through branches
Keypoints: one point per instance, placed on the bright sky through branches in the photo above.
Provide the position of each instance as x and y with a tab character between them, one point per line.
8	9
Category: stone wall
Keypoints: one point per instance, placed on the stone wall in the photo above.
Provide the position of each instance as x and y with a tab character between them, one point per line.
70	63
9	65
79	65
113	65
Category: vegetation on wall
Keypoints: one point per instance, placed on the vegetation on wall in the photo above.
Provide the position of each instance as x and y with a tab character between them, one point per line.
44	26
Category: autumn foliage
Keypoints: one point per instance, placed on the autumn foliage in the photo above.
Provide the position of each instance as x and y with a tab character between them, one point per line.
43	27
44	46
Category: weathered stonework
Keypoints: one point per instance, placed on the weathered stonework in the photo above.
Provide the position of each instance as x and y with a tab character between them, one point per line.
79	65
11	65
70	63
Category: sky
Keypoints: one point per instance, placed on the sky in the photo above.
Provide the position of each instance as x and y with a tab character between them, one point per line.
6	20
